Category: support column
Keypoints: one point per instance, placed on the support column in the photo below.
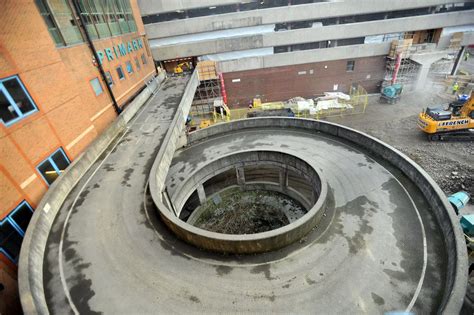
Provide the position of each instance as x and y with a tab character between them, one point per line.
201	194
458	60
239	171
283	179
422	76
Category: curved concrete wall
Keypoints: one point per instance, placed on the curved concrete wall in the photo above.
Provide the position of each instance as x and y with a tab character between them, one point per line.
30	272
456	280
247	158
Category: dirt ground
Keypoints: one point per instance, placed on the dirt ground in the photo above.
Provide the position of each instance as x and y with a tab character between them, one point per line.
248	212
450	164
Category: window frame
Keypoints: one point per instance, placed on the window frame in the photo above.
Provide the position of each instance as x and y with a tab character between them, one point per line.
14	223
137	64
131	70
108	75
93	89
353	65
53	164
121	70
103	19
9	219
5	92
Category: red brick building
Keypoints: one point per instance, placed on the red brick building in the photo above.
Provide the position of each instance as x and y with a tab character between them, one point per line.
53	99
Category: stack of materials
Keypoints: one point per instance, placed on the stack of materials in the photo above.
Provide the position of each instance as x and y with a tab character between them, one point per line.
207	70
400	46
332	100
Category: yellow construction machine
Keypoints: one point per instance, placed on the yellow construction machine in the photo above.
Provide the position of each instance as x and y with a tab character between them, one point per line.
182	67
455	122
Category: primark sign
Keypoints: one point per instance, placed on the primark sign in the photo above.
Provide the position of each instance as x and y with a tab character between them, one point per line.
120	50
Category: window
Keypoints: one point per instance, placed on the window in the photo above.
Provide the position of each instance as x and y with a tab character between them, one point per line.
12	230
137	63
108	17
60	22
21	216
15	102
53	166
129	67
96	86
350	65
144	59
110	80
120	73
103	18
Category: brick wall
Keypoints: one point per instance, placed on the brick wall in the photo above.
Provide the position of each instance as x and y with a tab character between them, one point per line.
306	80
69	114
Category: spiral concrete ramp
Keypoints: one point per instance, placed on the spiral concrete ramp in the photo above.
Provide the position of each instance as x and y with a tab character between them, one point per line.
379	246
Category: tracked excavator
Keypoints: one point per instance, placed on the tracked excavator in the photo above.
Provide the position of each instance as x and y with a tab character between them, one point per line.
453	123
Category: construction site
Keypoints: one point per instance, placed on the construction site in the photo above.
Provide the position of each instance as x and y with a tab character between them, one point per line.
276	156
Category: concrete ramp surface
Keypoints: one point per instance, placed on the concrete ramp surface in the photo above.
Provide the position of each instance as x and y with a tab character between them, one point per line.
378	247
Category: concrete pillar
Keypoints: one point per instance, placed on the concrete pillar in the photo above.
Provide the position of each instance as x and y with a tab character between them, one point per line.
422	76
283	179
239	171
457	62
167	201
201	194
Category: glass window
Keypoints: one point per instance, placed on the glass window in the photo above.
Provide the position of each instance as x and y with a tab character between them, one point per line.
120	73
86	13
53	166
129	15
21	216
350	65
103	18
111	18
98	16
121	15
137	63
12	230
10	240
96	86
110	80
61	13
15	102
50	23
144	59
129	67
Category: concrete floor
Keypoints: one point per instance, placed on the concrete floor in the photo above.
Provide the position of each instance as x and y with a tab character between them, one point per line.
109	253
367	257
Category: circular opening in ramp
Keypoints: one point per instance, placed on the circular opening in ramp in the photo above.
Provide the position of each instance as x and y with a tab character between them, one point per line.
237	211
248	202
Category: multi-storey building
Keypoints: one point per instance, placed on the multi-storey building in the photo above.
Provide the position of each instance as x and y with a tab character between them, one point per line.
54	100
278	49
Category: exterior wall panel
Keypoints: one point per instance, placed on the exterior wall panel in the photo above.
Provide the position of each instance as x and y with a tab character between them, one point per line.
307	35
270	16
283	83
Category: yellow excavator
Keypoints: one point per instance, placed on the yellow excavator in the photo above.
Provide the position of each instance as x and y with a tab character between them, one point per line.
181	68
455	122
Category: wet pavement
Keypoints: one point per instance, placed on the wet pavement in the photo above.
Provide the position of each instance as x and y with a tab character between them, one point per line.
369	254
109	253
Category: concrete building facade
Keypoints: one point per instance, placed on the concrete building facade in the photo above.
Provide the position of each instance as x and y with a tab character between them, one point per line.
263	47
53	99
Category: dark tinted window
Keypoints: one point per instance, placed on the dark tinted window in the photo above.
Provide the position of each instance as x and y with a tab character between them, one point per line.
22	216
10	240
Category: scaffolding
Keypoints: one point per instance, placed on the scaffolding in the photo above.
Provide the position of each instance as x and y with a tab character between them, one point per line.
208	90
407	72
